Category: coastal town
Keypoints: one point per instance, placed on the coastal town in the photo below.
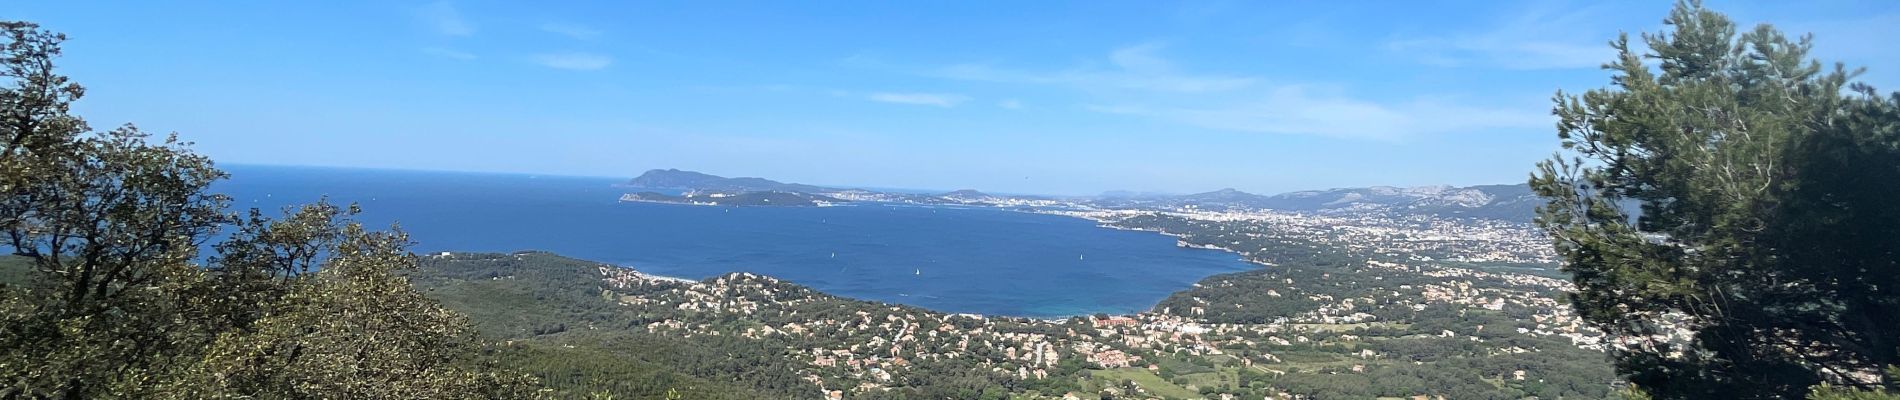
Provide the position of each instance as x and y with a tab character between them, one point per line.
1228	335
1413	237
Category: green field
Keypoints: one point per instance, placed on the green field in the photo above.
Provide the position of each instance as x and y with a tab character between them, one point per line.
1147	380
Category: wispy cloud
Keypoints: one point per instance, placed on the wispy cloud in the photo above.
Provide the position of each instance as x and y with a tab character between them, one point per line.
574	61
1535	39
577	31
1012	104
448	53
442	17
1308	111
1144	83
1134	67
922	99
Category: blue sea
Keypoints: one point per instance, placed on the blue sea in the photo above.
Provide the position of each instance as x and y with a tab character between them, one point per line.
951	259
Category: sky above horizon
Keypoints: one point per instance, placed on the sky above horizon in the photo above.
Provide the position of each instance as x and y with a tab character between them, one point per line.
1012	97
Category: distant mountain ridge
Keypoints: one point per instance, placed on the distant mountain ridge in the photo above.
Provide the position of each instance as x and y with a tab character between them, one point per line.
1505	202
1514	202
966	195
1228	197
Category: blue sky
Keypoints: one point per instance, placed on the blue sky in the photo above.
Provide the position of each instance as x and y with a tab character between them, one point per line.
1021	97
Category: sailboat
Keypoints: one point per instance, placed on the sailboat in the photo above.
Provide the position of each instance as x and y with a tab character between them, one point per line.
920	271
1078	257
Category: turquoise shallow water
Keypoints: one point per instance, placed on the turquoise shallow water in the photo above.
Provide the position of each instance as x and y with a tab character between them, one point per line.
966	260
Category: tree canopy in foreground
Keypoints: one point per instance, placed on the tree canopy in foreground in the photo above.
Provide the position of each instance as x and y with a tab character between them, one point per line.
117	304
1763	259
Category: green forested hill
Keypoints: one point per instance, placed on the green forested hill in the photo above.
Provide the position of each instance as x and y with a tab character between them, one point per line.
1326	332
585	328
551	313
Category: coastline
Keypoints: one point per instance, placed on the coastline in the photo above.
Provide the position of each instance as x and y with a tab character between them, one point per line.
1179	239
626	198
648	276
1110	224
1098	222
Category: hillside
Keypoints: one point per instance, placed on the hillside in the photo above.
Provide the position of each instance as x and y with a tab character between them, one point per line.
561	326
1224	199
1323	326
1511	203
1502	202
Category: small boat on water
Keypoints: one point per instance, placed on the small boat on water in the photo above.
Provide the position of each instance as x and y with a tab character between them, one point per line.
920	271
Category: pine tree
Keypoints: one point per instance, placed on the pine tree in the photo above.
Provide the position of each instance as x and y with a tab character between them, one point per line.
1731	212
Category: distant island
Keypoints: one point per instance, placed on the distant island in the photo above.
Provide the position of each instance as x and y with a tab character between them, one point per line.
787	199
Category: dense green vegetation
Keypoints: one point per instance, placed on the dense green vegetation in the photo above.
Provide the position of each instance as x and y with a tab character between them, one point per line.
107	297
15	270
542	304
1762	262
564	327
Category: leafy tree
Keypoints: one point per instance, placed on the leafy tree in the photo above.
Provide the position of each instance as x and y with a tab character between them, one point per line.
349	327
117	305
109	221
1762	258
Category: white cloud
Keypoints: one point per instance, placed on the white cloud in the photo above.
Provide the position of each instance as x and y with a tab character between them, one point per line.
1143	83
448	53
1141	58
445	19
1303	110
1499	51
922	99
1012	104
1135	67
576	31
1534	39
574	61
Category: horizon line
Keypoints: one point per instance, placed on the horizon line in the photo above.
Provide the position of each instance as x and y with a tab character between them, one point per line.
834	186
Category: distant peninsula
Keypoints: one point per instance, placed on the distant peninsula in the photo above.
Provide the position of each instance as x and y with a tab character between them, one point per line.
781	199
690	180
